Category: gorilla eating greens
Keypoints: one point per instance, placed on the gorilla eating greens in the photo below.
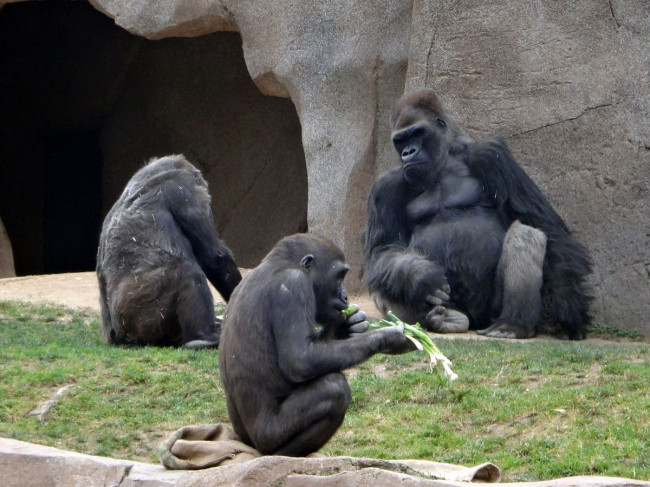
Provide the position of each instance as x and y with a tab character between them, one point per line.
460	237
285	342
157	245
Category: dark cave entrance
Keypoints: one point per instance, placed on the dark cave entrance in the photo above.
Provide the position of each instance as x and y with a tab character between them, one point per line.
83	104
72	201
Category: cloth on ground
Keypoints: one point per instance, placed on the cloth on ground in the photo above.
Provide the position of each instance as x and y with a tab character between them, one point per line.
204	446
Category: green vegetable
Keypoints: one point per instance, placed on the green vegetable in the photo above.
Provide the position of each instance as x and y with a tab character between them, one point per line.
350	309
418	336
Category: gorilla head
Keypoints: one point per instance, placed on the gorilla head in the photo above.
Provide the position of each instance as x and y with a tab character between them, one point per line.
423	135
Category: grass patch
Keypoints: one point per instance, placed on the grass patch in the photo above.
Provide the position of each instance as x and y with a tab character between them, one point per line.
538	409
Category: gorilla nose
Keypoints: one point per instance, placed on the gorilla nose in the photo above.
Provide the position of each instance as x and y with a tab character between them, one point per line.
409	153
344	296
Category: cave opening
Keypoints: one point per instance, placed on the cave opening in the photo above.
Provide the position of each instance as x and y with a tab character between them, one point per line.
84	104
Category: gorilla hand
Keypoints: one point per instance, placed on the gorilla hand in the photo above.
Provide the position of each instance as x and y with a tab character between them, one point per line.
356	321
395	342
440	296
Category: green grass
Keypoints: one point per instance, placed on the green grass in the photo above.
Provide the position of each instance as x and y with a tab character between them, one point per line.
538	409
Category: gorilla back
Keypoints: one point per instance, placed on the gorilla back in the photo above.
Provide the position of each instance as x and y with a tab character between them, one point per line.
158	243
459	236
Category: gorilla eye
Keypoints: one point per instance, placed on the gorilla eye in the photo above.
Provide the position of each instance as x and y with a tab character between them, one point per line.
441	123
418	132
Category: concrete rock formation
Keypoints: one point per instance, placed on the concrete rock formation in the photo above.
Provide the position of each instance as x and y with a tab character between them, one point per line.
29	465
6	254
570	89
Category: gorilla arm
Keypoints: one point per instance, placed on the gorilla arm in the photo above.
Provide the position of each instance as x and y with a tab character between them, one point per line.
196	222
396	272
302	355
510	188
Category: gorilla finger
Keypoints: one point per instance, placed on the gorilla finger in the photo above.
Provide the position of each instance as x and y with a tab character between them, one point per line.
434	300
437	315
446	288
442	294
357	317
360	327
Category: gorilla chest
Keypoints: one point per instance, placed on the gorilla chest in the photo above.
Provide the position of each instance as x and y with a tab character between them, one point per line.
451	194
454	216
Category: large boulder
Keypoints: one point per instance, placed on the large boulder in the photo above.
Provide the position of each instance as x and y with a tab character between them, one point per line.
26	465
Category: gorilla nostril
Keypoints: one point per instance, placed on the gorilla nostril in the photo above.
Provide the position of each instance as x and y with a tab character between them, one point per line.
344	296
409	153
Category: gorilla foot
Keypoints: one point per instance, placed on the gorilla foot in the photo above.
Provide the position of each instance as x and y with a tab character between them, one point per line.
199	344
507	330
443	320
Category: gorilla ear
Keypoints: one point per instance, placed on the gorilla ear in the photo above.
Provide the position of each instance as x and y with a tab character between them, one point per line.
307	261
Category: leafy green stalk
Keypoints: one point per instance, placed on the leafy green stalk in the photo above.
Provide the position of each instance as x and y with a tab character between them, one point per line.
416	334
420	339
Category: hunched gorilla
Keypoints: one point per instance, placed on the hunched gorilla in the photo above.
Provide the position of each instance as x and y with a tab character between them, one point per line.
157	245
460	237
285	342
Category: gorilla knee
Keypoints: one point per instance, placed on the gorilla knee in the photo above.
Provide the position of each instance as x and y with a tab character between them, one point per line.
520	274
339	391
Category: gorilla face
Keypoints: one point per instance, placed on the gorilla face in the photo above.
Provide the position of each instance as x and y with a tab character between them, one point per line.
423	136
422	146
327	274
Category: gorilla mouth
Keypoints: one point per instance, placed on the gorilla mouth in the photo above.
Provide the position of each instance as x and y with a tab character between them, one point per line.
414	166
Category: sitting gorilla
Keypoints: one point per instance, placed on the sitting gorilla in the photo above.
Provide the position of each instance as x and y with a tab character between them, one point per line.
158	244
459	236
282	376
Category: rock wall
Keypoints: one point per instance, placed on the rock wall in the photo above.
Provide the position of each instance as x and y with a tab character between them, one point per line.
568	85
30	465
6	254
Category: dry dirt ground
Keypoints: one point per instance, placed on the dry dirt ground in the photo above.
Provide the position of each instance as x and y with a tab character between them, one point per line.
79	290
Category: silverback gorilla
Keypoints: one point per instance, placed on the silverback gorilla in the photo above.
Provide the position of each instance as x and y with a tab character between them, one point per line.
285	342
459	236
157	245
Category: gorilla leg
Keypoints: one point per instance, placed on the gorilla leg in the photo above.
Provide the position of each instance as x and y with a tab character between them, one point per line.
305	420
195	308
566	295
519	282
169	305
141	310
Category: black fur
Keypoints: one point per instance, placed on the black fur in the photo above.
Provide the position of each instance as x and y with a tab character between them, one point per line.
438	224
158	244
280	359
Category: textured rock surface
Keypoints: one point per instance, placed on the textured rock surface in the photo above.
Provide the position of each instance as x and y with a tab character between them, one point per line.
569	88
571	92
6	254
26	465
342	63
